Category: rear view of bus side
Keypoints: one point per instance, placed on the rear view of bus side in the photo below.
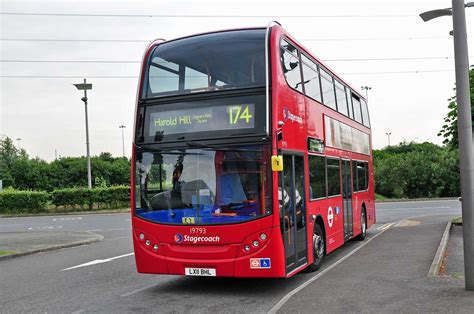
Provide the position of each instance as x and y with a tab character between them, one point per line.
250	158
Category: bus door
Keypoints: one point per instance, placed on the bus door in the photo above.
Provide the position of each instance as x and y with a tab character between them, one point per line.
347	198
293	211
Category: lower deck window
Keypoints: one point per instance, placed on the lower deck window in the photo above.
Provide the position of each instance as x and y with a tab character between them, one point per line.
334	177
317	177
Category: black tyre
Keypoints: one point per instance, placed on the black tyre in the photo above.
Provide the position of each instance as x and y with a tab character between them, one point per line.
319	248
363	226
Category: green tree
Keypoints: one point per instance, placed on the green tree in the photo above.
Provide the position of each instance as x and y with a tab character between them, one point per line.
412	170
19	171
8	155
449	130
31	174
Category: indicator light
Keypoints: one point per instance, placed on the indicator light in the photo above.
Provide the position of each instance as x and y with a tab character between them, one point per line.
263	236
255	243
155	247
141	236
247	248
147	242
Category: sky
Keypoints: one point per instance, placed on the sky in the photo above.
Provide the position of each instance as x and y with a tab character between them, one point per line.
383	44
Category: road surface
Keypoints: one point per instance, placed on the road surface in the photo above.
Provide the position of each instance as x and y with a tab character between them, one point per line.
102	277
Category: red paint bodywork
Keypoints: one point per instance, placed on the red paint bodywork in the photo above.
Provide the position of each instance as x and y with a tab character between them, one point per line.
228	257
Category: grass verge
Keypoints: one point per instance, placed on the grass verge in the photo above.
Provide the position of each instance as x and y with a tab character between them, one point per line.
457	221
5	252
68	212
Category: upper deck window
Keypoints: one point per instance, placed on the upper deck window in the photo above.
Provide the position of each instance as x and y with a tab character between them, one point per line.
357	109
226	60
312	86
349	103
291	65
365	113
329	98
341	98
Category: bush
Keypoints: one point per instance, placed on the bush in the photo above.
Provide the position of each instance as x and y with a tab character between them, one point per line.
413	170
112	197
13	201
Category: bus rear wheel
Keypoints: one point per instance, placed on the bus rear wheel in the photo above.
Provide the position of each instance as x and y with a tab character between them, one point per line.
363	226
319	248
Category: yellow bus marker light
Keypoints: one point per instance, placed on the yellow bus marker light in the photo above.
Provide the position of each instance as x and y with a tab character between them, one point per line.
277	163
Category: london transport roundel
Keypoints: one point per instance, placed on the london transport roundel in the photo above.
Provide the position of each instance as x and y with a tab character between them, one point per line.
330	216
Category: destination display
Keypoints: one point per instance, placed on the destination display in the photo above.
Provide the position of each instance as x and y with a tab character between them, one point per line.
211	118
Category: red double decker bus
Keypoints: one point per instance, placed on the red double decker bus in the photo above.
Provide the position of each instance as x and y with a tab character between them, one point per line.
251	158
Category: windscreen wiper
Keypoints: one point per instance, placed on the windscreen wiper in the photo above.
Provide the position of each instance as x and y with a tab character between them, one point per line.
148	147
200	145
169	151
226	149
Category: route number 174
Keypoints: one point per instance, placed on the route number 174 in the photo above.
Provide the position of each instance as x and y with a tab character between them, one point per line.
238	113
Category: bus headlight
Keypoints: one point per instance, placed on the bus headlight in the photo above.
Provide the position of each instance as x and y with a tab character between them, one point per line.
263	236
142	236
255	243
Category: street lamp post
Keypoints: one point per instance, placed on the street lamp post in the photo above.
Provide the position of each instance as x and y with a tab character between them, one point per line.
366	88
466	155
388	135
85	87
18	140
123	142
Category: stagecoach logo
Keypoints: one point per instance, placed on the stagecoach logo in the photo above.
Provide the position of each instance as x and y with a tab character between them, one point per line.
289	116
330	217
178	238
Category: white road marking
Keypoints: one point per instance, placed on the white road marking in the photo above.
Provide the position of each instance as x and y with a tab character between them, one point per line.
45	228
283	300
382	227
138	290
98	261
67	219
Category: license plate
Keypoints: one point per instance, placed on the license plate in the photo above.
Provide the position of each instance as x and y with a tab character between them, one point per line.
200	271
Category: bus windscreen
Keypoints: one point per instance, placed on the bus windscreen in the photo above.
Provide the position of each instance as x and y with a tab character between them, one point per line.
203	186
209	62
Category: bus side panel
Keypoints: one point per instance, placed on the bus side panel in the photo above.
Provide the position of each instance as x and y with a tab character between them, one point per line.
367	199
332	214
357	201
302	118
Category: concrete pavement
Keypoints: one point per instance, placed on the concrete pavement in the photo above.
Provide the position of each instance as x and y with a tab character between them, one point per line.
25	243
454	259
389	275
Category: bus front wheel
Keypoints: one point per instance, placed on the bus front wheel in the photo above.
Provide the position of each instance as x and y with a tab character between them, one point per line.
319	248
